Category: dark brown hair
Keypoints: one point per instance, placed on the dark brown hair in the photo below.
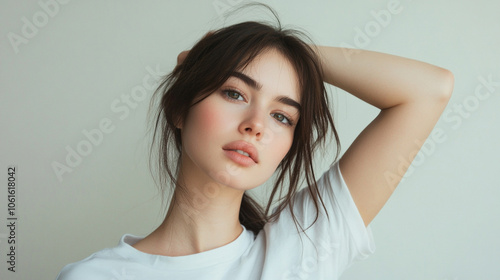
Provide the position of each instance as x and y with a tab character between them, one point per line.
207	66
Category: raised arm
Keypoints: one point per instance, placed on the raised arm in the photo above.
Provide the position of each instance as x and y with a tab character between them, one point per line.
411	96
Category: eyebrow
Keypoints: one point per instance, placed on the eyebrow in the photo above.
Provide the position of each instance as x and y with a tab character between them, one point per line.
257	86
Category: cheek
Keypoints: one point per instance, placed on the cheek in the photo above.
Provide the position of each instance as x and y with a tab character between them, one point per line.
205	120
283	149
276	143
208	119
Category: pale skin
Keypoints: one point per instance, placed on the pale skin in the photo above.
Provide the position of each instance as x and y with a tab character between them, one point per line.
410	94
253	115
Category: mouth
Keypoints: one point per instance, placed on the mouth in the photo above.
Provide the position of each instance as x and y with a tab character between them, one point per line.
242	152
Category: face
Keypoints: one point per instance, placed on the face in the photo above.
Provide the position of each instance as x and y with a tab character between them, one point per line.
239	134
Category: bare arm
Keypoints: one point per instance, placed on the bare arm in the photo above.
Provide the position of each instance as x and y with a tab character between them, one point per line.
411	96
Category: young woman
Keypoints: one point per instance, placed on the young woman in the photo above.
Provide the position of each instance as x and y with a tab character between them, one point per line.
246	102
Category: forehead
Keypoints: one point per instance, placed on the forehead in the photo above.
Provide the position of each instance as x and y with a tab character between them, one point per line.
274	72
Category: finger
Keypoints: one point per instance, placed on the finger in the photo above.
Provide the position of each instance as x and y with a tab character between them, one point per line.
208	34
182	56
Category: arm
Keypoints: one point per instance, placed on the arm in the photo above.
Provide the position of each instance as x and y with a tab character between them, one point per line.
411	96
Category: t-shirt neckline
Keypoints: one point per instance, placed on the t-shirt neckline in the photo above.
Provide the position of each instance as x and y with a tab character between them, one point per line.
229	252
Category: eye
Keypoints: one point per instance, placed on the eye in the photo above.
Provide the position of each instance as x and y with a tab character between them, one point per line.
232	94
282	118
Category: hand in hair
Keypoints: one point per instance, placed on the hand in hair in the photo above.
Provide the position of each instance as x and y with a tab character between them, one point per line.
411	95
183	54
181	57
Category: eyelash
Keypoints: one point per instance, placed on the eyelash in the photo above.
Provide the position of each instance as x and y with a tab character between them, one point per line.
227	91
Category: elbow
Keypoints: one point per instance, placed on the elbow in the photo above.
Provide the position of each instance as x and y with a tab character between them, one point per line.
445	84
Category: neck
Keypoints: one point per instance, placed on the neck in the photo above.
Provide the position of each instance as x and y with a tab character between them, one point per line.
203	215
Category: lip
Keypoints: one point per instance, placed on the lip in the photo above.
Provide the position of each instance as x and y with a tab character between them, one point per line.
239	158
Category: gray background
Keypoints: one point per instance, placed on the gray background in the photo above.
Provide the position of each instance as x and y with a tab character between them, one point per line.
69	73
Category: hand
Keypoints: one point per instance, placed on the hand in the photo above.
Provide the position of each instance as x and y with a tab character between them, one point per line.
181	57
183	54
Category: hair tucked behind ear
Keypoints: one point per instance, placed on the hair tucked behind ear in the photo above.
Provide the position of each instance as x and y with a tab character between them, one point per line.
207	66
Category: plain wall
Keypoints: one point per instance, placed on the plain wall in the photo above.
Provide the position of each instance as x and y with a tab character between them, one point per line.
73	69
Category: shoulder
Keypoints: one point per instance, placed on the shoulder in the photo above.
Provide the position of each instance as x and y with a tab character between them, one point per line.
104	264
99	265
332	213
88	268
335	233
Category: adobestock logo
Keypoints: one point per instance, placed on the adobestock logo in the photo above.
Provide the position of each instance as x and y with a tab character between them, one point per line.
202	196
454	115
30	28
123	274
483	91
94	137
222	6
363	36
309	265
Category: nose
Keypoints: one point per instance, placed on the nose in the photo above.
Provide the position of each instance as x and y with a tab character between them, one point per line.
253	124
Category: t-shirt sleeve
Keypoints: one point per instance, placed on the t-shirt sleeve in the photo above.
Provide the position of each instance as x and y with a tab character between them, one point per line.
79	271
361	237
91	268
72	272
342	236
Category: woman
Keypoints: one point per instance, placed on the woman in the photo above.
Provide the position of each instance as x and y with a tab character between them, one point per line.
246	101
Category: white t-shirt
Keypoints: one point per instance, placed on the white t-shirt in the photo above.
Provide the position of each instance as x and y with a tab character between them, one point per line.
274	254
